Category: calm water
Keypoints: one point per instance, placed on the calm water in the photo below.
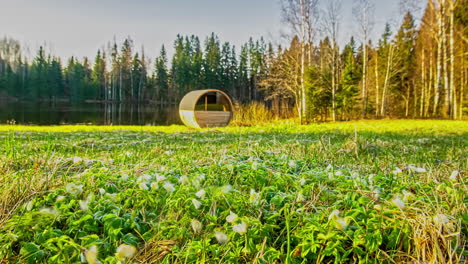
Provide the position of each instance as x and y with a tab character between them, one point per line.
89	113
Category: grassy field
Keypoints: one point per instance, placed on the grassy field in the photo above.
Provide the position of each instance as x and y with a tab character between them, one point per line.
367	192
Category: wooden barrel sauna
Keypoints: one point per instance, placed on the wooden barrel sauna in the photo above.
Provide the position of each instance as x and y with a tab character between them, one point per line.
206	108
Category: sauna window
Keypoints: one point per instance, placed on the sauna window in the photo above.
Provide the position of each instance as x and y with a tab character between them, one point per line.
212	101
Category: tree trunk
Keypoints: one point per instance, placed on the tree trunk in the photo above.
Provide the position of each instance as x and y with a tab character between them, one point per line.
120	85
303	90
453	108
334	82
387	77
464	84
364	79
407	100
429	83
131	85
377	90
447	92
438	85
423	85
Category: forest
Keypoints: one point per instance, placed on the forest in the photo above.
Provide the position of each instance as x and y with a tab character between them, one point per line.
417	70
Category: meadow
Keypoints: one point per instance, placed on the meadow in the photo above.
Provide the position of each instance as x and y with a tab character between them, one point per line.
352	192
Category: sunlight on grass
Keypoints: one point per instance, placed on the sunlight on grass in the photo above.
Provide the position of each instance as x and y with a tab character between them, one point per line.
383	191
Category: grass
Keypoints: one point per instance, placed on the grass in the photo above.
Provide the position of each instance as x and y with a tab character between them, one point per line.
321	193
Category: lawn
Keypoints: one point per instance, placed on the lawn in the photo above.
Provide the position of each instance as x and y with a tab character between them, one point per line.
370	192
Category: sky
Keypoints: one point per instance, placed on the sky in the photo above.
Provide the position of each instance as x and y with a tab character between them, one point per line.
81	27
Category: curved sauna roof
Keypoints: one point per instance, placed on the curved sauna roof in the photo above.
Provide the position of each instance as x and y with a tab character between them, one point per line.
206	108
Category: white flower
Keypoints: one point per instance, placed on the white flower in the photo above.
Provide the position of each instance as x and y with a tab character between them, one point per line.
74	189
292	164
329	167
415	169
169	187
84	205
397	171
160	178
334	214
338	173
371	178
144	178
302	181
407	195
184	180
102	191
440	219
91	255
340	223
154	186
30	205
77	160
200	194
300	198
144	185
231	217
254	165
125	251
240	228
49	211
226	188
376	193
221	237
60	198
201	177
254	197
124	177
111	195
398	203
196	225
169	152
454	175
196	203
420	170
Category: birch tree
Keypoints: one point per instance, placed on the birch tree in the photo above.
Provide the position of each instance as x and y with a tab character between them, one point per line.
299	15
332	25
363	11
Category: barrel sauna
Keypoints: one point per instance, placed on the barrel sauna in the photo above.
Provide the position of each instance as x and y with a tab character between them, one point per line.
206	108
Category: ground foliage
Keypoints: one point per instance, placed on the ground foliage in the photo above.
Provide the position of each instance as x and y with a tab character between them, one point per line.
369	192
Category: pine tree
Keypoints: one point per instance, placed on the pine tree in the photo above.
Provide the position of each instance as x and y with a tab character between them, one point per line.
98	76
212	62
405	59
161	76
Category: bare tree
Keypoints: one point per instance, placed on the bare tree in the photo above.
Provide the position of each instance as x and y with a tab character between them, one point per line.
300	15
283	80
363	11
332	26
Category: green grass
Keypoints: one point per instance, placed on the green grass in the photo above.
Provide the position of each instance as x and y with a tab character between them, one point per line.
324	193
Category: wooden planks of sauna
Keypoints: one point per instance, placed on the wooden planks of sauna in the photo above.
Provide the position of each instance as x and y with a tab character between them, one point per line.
213	118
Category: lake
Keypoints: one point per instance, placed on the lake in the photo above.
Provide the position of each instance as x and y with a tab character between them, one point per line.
49	113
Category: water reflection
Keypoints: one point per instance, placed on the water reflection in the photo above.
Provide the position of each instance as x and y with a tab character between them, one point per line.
89	113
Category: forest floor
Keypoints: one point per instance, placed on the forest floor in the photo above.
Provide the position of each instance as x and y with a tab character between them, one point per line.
369	191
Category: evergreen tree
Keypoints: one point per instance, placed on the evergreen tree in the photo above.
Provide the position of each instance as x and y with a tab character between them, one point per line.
405	59
161	77
98	76
212	60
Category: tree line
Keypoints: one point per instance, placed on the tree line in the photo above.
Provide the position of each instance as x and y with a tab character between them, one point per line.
120	74
418	71
415	72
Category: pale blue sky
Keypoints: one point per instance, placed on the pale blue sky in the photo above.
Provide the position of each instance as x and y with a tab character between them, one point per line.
79	28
